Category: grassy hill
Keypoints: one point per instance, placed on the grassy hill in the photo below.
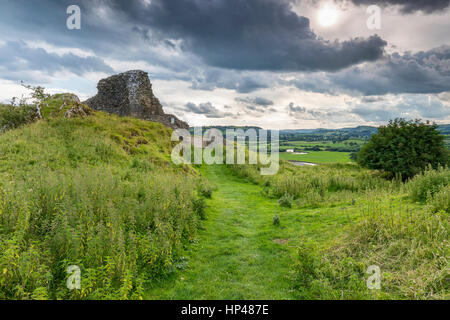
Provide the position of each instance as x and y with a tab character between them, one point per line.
96	191
100	192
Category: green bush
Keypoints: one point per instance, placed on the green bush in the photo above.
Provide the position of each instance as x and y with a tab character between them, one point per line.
318	277
199	207
404	148
15	116
319	185
205	190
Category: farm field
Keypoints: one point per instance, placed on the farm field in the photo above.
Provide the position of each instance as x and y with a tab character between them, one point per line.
318	157
301	144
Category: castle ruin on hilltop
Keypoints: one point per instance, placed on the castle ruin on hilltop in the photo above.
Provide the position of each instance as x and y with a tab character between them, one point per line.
130	94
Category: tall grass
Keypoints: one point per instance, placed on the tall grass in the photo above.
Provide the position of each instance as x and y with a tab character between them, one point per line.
440	201
427	183
99	193
119	228
400	227
408	241
320	185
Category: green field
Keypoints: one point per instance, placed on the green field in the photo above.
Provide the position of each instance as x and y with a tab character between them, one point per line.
320	143
318	157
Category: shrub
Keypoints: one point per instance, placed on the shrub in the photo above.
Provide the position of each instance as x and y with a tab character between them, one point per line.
426	184
440	201
205	190
319	277
404	148
15	116
118	232
199	207
320	185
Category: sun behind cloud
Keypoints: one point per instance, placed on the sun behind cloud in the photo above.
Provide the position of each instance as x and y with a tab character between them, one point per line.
328	15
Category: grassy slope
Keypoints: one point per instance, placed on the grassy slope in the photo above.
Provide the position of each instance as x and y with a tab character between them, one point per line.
100	192
237	255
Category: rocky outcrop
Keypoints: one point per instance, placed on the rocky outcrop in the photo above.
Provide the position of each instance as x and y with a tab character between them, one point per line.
131	94
78	110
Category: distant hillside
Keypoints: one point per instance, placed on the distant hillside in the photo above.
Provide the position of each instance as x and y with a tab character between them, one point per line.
362	129
321	134
360	132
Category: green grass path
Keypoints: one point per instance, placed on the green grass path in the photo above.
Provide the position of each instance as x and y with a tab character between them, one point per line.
239	253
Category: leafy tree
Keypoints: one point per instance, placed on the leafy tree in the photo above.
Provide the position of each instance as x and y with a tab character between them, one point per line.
404	148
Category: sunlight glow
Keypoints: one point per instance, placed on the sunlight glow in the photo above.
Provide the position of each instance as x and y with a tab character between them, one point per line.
328	15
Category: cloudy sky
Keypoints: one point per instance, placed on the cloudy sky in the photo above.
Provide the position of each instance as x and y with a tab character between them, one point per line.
272	63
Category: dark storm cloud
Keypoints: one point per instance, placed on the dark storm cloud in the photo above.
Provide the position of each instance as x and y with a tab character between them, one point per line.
232	34
211	39
252	35
422	72
409	106
17	56
409	6
202	108
255	106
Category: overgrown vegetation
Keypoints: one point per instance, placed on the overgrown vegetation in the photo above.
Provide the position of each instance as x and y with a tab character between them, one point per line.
97	191
12	116
409	244
401	227
426	184
322	185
